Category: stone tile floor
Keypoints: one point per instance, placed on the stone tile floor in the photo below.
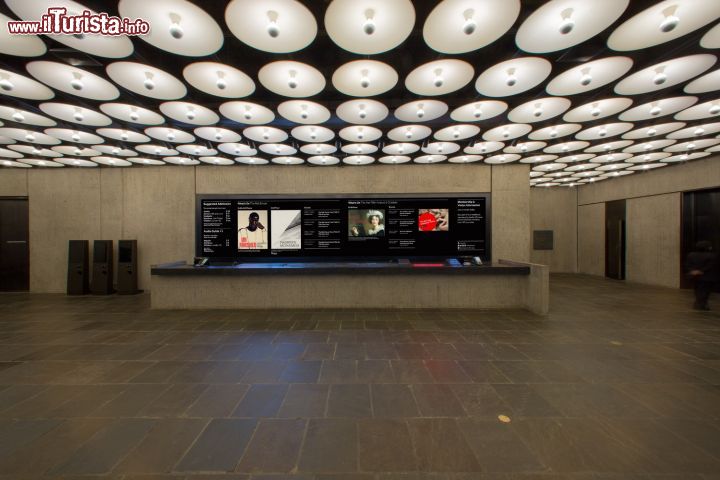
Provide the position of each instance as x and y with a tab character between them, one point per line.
618	382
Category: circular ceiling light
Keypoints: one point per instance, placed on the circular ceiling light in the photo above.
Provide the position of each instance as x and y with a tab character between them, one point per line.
196	150
29	150
323	160
421	111
115	150
612	157
409	133
303	111
538	158
146	80
696	131
565	147
503	133
581	167
481	148
288	160
665	74
457	132
700	111
219	79
178	26
597	110
401	148
23	116
187	161
465	159
394	159
539	110
504	158
76	162
318	149
648	157
75	151
685	157
37	162
364	78
360	133
237	149
658	108
589	76
653	130
604	131
159	150
75	114
560	24
10	154
171	135
612	167
513	76
359	148
693	145
16	85
430	159
216	134
362	111
460	26
73	136
609	146
555	131
19	45
549	167
247	113
707	83
646	147
441	148
312	133
216	160
368	27
189	113
146	161
132	114
663	22
524	147
123	135
577	157
252	160
439	77
265	134
291	79
109	46
477	111
647	166
275	26
711	39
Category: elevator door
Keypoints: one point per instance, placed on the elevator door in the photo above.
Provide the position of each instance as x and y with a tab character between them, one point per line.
14	246
615	239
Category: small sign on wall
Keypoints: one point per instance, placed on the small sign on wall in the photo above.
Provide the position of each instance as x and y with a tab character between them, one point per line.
542	239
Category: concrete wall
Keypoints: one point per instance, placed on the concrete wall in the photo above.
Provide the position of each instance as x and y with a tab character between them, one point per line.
653	240
591	239
155	205
556	210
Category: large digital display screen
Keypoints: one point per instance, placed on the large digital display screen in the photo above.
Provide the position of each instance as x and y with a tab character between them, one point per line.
232	227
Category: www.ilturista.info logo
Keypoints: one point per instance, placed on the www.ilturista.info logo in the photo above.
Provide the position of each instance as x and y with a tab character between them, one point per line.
57	22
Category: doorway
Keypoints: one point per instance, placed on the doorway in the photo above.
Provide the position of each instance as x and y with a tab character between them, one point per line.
615	239
700	222
14	245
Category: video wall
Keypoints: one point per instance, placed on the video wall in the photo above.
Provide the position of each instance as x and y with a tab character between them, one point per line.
262	227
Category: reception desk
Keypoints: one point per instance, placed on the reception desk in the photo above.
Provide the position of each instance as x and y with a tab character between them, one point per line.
373	285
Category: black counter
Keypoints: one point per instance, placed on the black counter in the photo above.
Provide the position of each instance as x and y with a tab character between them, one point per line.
354	267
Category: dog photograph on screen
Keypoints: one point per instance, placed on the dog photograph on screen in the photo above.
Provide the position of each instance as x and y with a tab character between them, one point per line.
252	235
286	231
433	220
366	223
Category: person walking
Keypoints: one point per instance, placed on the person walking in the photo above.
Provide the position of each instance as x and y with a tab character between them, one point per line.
704	271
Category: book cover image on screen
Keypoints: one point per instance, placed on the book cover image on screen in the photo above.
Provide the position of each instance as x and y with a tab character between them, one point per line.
366	222
252	233
286	229
433	219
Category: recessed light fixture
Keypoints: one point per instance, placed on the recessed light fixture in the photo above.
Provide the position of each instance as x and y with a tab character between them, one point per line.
273	29
671	21
149	83
369	24
469	26
567	24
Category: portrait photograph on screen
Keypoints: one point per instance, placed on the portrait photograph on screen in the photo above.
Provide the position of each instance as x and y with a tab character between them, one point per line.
433	219
286	229
366	222
252	230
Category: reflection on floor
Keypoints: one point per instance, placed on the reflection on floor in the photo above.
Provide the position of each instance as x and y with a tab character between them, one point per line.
619	382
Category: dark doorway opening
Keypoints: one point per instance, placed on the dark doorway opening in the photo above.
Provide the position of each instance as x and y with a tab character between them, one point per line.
615	239
14	245
700	221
